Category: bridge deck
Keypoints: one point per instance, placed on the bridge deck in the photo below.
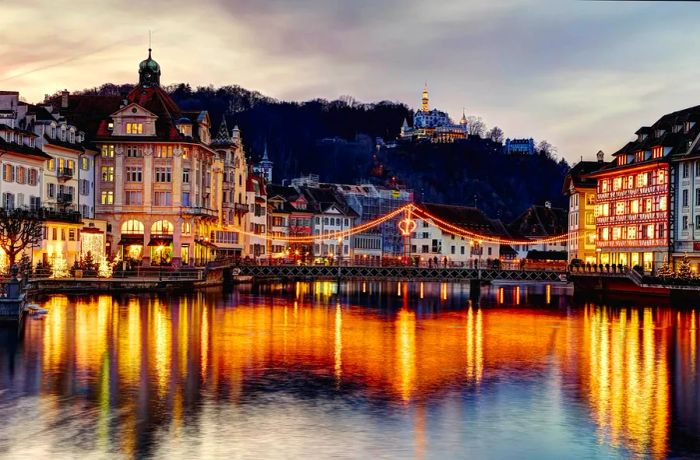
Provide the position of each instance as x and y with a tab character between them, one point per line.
394	273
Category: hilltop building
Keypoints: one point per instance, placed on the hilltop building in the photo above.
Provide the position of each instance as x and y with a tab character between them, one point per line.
433	125
520	146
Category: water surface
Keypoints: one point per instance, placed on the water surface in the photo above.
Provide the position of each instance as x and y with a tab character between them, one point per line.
360	370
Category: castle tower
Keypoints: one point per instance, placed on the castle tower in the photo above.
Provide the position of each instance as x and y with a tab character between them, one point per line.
424	105
264	168
149	72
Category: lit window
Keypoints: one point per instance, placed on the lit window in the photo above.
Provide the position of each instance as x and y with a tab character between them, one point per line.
634	206
108	174
108	151
107	197
617	184
604	185
631	233
605	234
84	163
616	233
647	205
662	203
606	209
642	180
134	128
650	231
657	152
619	208
661	177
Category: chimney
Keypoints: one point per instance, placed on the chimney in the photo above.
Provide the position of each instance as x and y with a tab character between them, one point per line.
548	204
601	156
64	99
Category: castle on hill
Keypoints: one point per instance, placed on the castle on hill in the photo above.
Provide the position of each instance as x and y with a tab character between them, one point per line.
434	125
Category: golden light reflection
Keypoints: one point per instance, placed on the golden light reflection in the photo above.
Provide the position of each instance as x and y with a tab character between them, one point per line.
629	402
406	351
475	359
338	352
517	295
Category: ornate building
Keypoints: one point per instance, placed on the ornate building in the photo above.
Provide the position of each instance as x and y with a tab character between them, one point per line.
159	181
433	125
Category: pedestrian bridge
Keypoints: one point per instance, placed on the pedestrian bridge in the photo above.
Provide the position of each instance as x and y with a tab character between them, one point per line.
456	274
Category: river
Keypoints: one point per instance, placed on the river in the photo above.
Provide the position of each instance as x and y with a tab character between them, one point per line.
356	370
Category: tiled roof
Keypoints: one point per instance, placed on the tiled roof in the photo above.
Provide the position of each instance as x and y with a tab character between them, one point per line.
540	221
466	217
578	175
23	150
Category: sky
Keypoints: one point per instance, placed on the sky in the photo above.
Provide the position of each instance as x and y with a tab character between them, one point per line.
584	75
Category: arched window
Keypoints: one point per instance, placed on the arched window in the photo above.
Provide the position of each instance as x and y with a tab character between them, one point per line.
186	228
132	227
162	227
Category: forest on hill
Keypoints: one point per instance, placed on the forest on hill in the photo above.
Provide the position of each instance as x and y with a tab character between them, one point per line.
337	140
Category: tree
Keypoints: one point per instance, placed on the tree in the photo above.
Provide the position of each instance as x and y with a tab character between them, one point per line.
546	148
19	228
664	270
495	134
684	269
476	125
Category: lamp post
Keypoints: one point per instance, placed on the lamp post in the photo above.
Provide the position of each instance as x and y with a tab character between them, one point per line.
340	249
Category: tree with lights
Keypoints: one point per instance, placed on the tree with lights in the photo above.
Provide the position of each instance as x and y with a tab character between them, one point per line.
664	270
59	268
104	269
684	269
19	228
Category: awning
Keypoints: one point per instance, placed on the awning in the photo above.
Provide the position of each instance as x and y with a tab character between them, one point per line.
161	240
206	244
128	240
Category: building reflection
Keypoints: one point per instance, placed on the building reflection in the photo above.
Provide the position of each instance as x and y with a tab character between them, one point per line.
151	361
626	379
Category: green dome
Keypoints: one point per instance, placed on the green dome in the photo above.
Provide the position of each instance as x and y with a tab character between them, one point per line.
149	72
149	64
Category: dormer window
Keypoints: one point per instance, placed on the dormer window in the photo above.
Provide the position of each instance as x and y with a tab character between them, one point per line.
134	128
677	128
660	132
688	126
622	160
642	136
657	152
110	126
639	156
63	133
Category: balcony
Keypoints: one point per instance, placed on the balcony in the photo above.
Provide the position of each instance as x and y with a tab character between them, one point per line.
64	198
56	215
200	211
240	209
64	173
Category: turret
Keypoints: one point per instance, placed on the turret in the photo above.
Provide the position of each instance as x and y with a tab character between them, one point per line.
425	105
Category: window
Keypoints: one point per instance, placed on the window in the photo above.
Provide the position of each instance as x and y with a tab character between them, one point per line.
107	173
133	151
164	151
657	152
185	198
187	228
616	233
51	190
590	218
185	254
631	233
185	176
107	197
134	128
634	206
606	209
639	156
84	163
662	203
8	201
108	151
21	175
661	176
617	183
132	227
71	234
84	187
697	222
647	205
162	227
686	170
604	185
650	231
162	199
133	197
685	197
622	160
33	177
685	222
8	173
163	174
642	180
619	208
134	174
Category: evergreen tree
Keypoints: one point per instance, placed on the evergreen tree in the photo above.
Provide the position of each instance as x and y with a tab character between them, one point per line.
684	269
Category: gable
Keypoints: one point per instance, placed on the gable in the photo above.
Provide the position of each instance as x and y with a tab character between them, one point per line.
133	110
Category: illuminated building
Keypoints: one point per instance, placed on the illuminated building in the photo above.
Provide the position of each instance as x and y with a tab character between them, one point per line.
538	222
264	167
633	196
48	166
257	219
278	215
522	146
430	241
159	181
433	125
581	191
234	198
331	213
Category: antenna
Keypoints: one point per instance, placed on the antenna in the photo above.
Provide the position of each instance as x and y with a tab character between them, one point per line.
149	39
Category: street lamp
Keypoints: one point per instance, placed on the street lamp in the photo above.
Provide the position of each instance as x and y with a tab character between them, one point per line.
340	249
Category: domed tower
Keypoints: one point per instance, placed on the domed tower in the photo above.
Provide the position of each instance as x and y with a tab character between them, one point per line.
149	72
424	105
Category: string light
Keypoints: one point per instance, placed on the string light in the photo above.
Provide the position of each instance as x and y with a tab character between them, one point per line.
408	209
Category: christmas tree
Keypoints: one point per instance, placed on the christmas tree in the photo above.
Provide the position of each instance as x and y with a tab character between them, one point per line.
59	268
104	270
684	269
664	270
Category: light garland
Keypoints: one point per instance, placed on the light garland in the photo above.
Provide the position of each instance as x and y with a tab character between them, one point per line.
408	209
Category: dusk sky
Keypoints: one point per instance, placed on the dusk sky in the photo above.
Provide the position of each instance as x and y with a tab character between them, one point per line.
583	75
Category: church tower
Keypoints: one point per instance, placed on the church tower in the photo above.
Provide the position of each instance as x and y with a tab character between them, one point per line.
149	72
424	105
264	168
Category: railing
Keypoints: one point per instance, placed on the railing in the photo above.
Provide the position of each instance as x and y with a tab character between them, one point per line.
64	173
200	211
65	198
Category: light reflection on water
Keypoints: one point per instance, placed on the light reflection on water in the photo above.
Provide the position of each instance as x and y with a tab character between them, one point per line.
357	370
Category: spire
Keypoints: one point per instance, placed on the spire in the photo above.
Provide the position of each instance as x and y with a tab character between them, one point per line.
463	120
236	133
265	157
424	105
222	136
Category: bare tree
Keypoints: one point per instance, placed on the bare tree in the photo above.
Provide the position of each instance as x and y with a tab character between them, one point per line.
476	125
545	147
19	228
495	134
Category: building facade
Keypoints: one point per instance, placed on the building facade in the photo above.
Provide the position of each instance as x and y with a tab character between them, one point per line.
433	125
581	191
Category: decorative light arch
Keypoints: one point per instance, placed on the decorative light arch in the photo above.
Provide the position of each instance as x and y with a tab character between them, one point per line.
162	227
132	227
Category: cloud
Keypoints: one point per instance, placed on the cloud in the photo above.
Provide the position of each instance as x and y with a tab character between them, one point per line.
583	75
